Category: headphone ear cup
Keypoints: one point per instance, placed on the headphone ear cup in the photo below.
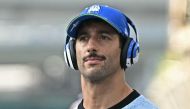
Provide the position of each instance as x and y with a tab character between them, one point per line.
136	51
70	54
130	53
124	53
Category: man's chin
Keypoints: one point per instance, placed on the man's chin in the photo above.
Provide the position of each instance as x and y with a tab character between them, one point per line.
95	68
92	70
93	75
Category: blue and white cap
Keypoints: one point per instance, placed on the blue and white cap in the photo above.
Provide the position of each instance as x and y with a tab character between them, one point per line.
104	12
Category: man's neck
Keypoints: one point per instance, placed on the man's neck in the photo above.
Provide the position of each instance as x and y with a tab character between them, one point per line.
106	93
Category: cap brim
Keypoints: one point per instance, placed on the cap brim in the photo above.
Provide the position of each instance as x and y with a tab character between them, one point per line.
75	23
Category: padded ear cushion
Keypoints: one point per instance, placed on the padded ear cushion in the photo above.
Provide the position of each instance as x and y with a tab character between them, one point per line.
70	54
124	53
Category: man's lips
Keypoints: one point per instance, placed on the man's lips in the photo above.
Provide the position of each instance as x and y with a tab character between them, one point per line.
94	59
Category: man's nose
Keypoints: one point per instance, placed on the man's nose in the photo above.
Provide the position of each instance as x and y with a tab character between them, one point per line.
92	45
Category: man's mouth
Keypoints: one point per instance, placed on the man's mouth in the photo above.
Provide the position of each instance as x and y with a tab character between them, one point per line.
94	59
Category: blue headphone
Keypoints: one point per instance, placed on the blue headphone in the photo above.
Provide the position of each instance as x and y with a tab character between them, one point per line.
130	50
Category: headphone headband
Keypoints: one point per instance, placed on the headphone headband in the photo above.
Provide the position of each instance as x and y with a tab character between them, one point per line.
129	21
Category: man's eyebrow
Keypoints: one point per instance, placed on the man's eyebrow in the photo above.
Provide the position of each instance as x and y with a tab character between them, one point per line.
104	31
107	31
81	33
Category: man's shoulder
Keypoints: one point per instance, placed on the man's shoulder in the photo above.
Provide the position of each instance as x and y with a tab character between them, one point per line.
140	103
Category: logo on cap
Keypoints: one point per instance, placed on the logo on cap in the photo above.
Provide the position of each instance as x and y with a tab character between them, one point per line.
94	8
74	25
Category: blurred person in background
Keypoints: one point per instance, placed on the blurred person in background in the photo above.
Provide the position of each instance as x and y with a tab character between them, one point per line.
100	46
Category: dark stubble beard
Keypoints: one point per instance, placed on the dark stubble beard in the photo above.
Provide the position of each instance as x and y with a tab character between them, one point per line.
96	76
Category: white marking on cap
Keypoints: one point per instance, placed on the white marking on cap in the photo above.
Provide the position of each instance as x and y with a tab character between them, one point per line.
94	8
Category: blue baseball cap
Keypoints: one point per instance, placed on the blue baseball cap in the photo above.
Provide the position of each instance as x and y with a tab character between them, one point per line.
112	16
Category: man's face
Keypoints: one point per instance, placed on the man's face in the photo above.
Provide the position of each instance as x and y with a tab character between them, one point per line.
97	51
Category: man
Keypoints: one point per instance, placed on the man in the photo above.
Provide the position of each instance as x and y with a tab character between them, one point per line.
99	45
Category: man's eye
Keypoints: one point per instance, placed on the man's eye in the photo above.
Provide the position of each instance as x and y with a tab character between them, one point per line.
105	36
82	38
